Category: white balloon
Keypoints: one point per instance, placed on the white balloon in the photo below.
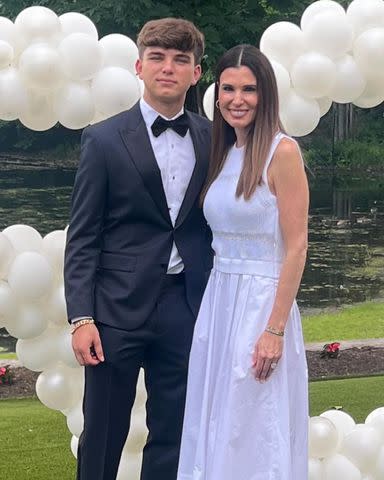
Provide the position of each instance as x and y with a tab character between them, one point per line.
299	115
65	351
119	51
350	83
313	75
40	67
7	254
337	466
315	469
57	308
74	445
30	276
54	248
114	89
28	321
8	32
81	56
130	466
74	22
141	393
75	419
373	93
343	422
38	353
137	432
74	105
39	114
377	422
366	14
13	96
282	79
55	387
24	238
379	465
283	42
6	54
362	446
7	304
321	6
374	413
325	104
368	51
98	117
323	437
38	24
329	33
209	101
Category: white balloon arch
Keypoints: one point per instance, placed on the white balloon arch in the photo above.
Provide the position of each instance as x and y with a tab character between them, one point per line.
54	69
335	56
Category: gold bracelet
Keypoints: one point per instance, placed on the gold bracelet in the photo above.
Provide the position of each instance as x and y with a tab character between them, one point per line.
80	323
274	331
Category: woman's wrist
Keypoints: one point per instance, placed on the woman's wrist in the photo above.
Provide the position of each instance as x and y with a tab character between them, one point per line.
274	331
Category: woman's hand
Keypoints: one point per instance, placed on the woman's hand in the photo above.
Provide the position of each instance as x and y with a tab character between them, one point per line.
267	353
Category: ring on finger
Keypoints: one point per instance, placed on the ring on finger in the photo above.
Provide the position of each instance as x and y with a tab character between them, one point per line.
273	365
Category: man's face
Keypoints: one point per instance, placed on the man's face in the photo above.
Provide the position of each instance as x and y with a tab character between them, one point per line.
167	74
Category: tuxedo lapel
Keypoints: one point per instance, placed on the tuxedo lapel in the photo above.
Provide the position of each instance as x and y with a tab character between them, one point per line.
201	141
135	137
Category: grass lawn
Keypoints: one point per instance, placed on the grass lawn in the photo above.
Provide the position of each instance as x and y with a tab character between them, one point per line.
35	441
356	322
8	356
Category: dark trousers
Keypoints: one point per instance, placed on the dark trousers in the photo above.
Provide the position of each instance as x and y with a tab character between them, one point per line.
161	346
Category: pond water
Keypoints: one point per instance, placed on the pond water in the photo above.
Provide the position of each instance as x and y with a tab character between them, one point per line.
346	253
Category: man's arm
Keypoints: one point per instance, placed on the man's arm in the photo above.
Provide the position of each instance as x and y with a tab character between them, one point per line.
83	245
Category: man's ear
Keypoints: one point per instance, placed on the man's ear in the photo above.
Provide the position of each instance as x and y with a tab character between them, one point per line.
196	74
138	67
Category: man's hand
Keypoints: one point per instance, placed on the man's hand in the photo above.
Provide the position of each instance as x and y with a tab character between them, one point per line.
87	346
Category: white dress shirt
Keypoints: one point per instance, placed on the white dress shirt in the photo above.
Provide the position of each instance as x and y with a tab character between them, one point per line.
176	159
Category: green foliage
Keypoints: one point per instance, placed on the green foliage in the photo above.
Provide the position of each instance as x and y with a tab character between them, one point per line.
359	153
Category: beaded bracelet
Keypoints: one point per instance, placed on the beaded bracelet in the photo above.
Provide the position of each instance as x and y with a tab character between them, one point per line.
80	323
274	331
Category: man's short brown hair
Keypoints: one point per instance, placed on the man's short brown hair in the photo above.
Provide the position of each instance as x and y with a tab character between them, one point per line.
175	33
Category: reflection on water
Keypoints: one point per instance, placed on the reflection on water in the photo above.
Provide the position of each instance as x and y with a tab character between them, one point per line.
345	259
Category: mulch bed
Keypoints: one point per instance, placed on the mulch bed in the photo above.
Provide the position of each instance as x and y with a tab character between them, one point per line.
351	362
356	361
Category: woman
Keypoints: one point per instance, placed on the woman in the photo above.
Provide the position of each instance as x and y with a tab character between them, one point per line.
246	411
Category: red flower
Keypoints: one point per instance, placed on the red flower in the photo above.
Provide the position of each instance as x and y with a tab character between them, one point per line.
333	347
3	371
330	350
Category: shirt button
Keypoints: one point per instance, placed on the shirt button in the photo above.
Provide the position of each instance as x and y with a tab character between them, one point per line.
173	178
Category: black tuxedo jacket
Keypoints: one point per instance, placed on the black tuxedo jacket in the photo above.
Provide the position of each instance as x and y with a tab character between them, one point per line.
120	235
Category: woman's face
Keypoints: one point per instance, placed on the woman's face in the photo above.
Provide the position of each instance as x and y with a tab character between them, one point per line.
238	97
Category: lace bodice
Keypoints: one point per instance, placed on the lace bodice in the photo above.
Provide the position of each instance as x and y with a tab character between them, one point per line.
246	234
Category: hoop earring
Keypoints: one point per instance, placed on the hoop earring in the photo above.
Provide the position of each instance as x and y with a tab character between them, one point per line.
217	104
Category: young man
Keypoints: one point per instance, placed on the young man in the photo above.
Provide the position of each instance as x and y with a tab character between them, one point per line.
138	256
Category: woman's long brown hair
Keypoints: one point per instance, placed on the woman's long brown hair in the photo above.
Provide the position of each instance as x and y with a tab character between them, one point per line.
261	132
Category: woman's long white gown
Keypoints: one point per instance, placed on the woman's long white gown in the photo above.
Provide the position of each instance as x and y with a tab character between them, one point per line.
236	428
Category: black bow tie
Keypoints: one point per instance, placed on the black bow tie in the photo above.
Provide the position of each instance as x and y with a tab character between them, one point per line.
179	125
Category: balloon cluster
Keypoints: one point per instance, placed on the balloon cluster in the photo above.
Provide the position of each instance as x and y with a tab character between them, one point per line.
339	448
336	56
33	309
55	69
